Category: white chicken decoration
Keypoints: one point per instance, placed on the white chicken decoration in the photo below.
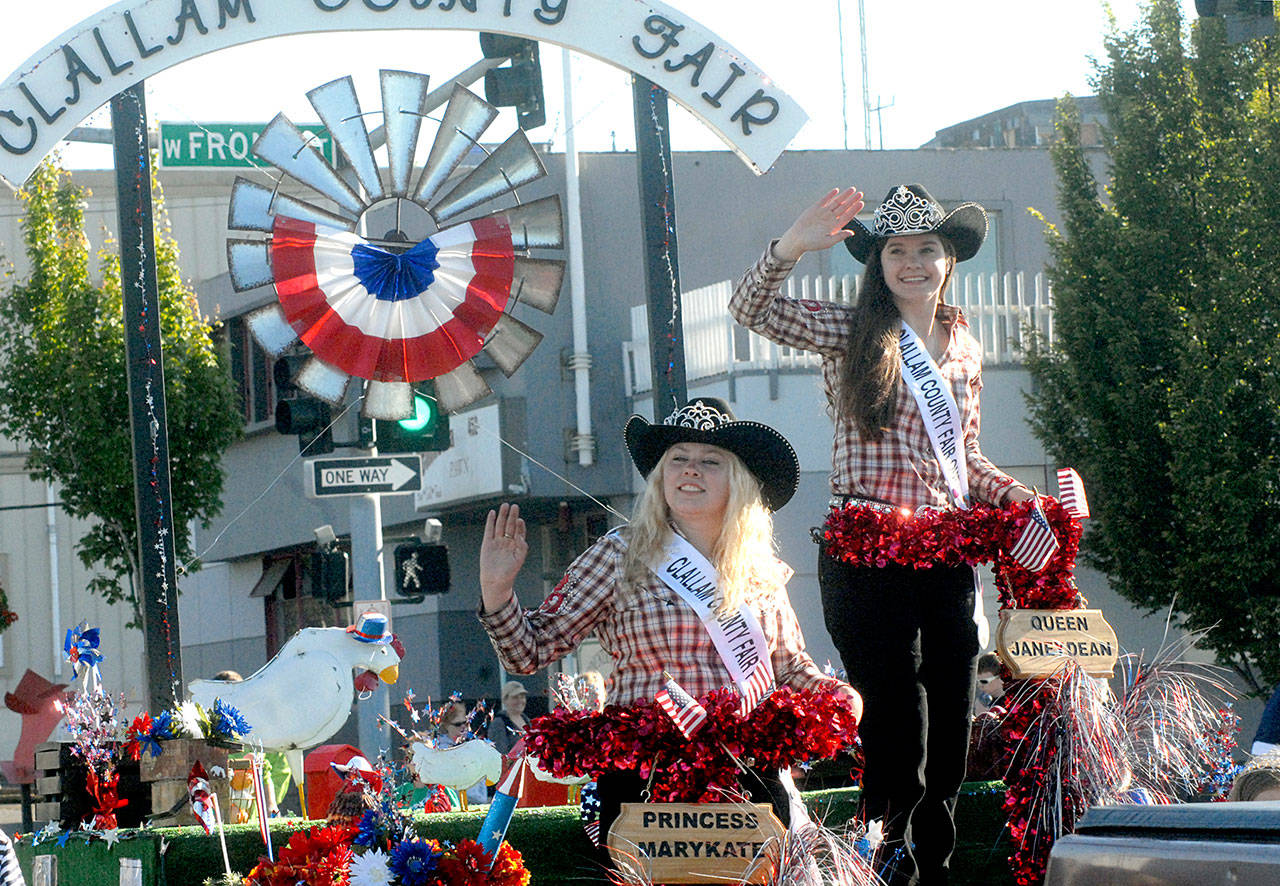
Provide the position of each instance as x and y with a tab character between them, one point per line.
459	766
302	696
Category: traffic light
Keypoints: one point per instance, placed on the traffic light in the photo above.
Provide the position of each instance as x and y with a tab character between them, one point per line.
427	430
297	412
518	84
421	569
330	573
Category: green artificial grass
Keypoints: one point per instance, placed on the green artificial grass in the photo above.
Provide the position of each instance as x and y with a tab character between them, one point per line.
550	838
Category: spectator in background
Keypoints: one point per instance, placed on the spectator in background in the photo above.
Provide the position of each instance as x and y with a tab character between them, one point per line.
455	728
591	690
275	768
990	685
510	722
1258	781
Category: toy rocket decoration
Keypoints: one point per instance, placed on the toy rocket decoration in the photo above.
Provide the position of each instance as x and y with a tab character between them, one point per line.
501	808
420	300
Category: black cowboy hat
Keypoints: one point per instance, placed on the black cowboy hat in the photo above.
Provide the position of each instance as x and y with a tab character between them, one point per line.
765	452
909	209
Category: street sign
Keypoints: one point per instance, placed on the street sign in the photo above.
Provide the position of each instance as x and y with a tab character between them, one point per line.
225	144
392	474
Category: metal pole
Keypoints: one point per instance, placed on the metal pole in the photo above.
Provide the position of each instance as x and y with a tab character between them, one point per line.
367	583
662	264
157	579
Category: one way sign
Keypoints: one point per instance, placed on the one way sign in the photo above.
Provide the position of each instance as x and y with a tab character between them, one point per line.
360	476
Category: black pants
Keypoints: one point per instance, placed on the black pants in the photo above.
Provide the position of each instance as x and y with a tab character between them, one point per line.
615	788
910	646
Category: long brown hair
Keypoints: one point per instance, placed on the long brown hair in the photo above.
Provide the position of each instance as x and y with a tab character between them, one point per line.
872	364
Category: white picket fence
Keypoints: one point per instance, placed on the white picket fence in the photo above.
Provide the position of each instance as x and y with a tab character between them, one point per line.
1000	309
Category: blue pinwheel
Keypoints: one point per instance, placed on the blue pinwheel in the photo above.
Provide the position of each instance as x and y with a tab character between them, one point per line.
81	649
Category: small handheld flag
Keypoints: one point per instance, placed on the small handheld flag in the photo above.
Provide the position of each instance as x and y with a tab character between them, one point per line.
501	808
1037	543
680	706
1071	493
757	687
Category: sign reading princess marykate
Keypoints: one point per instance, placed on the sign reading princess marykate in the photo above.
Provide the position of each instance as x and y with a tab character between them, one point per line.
63	83
695	842
1034	642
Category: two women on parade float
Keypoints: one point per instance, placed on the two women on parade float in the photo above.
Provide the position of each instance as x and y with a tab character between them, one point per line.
711	485
902	375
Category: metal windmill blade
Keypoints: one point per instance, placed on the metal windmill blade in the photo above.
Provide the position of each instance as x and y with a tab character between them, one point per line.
460	388
514	163
403	101
283	145
510	343
254	206
539	224
339	109
466	117
271	330
249	264
387	400
536	282
319	379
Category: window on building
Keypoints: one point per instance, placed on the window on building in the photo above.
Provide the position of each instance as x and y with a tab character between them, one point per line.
251	371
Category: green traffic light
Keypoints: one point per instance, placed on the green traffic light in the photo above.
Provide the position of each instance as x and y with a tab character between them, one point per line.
424	415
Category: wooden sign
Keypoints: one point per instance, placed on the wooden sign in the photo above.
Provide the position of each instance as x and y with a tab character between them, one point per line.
1033	642
694	842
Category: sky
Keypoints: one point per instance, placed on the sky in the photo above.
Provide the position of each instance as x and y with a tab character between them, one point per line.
931	63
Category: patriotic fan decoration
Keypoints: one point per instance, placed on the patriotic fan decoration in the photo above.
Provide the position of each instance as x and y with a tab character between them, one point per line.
422	299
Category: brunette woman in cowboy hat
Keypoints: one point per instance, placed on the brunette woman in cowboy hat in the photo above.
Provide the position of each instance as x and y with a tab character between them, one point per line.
909	637
711	483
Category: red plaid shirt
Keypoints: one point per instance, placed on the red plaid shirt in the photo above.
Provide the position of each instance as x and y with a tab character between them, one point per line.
899	468
646	629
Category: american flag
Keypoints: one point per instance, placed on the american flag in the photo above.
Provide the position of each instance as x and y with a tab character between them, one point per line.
758	687
687	714
1071	493
1036	544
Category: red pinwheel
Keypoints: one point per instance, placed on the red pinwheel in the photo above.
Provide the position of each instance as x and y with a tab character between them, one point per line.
421	301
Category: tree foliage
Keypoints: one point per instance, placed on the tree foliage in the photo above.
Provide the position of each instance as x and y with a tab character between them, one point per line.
1161	385
63	385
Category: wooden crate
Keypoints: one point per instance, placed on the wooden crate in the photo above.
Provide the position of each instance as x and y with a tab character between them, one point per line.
166	776
59	792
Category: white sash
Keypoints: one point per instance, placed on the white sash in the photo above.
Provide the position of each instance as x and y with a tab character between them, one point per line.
738	637
940	413
941	416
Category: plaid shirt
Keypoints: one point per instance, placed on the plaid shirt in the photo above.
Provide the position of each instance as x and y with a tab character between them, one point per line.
645	629
901	467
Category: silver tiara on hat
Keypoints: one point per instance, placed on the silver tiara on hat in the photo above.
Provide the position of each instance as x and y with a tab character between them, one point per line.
905	212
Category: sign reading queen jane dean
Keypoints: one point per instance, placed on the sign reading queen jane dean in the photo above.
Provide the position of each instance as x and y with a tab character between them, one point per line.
59	86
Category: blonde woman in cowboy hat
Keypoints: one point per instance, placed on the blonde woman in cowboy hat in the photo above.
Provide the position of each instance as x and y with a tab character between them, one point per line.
711	484
908	637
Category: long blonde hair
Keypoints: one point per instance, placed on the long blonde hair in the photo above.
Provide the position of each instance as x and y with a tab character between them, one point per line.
746	534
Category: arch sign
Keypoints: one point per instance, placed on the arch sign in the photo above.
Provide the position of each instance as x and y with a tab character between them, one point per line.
81	70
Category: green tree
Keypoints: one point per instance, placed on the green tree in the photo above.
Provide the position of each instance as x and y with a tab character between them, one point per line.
63	387
1161	385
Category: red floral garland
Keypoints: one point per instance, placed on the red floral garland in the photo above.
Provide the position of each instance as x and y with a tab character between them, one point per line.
983	534
788	727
